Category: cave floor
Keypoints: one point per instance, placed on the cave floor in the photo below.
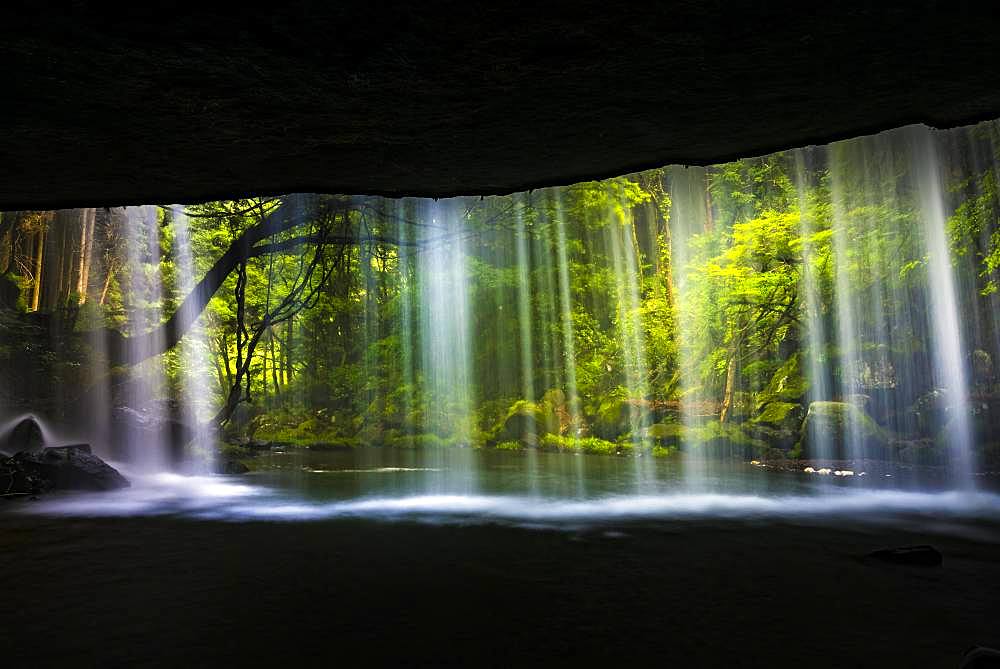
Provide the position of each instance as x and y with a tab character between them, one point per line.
171	592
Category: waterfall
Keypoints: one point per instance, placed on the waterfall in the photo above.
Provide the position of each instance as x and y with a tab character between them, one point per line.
146	390
566	315
620	237
949	350
688	218
196	399
446	344
817	350
405	267
524	316
828	306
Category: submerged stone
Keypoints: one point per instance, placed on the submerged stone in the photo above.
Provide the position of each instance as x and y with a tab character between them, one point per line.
920	556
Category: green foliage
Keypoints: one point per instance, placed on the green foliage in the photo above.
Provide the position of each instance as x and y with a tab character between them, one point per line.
509	446
582	333
787	385
591	445
777	413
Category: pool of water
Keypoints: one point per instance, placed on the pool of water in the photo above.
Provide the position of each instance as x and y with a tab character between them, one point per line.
531	489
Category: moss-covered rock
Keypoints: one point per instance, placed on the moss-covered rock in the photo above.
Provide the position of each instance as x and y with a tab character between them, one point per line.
921	452
10	293
525	422
420	441
777	424
616	417
930	412
837	425
781	415
983	423
787	385
716	439
665	434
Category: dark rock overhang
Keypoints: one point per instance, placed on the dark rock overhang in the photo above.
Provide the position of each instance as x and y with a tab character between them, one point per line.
178	102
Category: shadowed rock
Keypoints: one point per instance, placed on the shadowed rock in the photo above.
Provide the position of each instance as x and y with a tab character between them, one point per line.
919	556
71	467
26	436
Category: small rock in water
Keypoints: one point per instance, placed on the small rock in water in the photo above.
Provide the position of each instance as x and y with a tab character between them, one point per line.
921	556
809	470
231	467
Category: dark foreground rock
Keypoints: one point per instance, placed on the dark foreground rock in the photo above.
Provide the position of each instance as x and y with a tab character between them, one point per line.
919	556
71	467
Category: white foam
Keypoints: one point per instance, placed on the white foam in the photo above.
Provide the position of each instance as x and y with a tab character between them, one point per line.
231	499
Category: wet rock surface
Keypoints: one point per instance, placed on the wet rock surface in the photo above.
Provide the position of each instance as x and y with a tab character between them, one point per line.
71	467
916	556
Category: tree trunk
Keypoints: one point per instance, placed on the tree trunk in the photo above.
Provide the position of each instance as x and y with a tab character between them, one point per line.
730	390
263	378
289	351
86	253
274	366
36	286
709	216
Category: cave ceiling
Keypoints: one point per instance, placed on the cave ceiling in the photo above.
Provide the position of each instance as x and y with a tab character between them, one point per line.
181	102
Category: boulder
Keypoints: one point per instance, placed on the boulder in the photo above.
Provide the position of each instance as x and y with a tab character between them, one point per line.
724	440
918	556
780	415
787	385
616	417
26	436
777	424
838	423
930	411
71	467
526	422
665	434
982	368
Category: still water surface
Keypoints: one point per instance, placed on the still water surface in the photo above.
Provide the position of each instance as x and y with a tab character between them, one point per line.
527	488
